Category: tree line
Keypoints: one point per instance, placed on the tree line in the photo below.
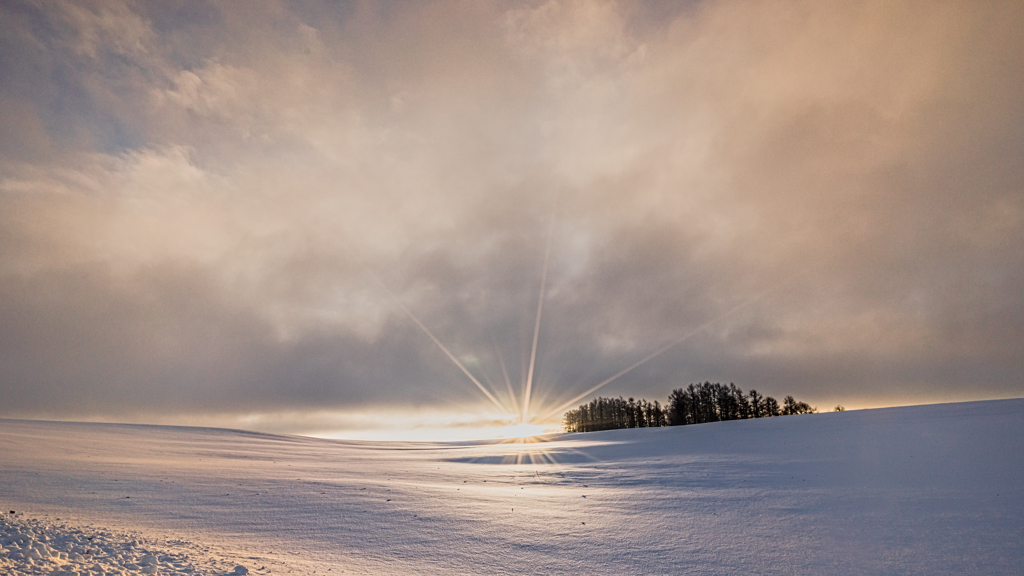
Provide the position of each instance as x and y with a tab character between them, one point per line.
695	404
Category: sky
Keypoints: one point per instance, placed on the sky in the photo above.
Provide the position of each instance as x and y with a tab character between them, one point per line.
252	214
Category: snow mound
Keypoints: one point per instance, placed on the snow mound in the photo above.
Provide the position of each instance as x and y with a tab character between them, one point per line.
34	546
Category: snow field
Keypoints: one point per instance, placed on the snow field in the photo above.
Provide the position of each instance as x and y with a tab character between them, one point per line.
34	546
936	490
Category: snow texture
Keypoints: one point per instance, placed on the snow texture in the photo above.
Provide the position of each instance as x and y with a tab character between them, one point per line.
933	489
31	546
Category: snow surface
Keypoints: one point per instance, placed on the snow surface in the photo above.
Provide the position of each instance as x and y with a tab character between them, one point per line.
34	547
933	489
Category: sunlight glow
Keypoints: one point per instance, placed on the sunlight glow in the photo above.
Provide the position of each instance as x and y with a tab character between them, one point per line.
522	430
512	433
471	422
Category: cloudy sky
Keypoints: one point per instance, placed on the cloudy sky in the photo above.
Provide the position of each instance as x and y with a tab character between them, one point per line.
229	213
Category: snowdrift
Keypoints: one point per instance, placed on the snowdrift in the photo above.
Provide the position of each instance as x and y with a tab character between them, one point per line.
935	489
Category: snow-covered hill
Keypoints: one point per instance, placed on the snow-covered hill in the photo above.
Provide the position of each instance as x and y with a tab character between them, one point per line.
933	489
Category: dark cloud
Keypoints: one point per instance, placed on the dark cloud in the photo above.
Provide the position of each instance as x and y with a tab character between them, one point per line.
203	208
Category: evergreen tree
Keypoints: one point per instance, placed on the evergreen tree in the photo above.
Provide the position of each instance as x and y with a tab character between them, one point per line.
791	406
756	404
695	404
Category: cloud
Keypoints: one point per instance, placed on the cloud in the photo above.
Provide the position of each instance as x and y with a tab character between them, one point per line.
199	203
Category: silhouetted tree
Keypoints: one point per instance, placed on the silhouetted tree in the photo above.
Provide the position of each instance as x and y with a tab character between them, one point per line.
613	413
791	406
656	416
695	404
756	404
